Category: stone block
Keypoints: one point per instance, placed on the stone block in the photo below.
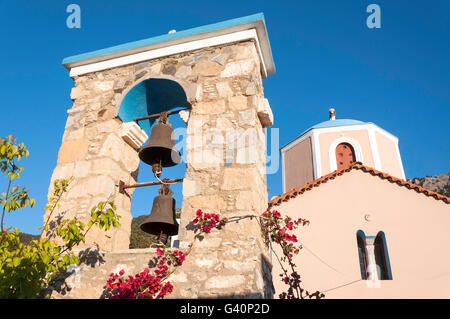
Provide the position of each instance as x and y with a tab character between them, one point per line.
225	282
237	103
105	166
140	66
94	186
190	188
206	261
265	114
236	178
247	155
81	169
207	203
247	117
155	68
207	68
71	134
238	68
245	52
107	113
248	200
219	58
213	107
72	151
169	69
240	266
104	85
178	277
115	148
64	171
108	126
251	89
76	109
224	89
183	71
224	124
122	237
77	92
209	243
119	84
201	158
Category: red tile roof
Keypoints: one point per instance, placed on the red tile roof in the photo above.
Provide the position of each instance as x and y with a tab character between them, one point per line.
357	165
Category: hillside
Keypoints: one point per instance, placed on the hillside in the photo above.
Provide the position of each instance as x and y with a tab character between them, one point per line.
138	238
439	184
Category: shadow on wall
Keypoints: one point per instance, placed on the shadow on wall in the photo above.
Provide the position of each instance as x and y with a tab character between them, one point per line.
62	284
92	260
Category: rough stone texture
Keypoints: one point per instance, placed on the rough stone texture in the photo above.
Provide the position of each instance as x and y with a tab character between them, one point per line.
225	170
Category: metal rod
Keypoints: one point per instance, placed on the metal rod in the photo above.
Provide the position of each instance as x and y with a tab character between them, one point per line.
157	115
122	185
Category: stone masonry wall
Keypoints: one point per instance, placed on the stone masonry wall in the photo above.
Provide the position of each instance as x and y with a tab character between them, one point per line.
225	168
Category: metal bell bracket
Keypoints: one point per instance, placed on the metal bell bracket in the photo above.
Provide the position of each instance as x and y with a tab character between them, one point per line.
163	182
165	114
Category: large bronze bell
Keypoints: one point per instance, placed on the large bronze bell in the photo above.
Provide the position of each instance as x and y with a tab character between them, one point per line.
160	149
162	220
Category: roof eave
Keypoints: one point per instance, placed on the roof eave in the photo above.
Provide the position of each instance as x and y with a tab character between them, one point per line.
255	21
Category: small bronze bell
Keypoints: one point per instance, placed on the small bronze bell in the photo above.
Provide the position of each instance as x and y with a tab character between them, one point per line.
160	149
162	220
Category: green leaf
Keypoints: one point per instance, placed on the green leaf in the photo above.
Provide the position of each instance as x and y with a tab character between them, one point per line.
16	261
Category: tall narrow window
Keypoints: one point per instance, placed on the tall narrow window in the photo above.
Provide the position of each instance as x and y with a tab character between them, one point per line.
382	257
362	253
345	155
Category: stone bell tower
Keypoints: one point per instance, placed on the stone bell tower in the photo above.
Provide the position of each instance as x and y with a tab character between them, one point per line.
216	71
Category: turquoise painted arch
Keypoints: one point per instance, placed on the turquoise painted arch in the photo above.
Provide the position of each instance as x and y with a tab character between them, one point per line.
152	96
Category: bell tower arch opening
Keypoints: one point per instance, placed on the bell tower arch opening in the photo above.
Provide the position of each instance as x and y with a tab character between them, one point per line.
153	97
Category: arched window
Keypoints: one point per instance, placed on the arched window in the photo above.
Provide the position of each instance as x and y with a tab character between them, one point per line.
345	155
362	253
382	257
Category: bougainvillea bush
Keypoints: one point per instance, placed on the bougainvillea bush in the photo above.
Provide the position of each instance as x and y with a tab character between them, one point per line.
146	285
275	229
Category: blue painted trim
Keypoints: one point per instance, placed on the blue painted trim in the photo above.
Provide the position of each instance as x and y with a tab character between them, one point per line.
167	37
363	271
330	123
388	262
360	232
151	96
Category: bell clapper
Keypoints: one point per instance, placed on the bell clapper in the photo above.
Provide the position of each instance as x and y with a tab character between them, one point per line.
162	238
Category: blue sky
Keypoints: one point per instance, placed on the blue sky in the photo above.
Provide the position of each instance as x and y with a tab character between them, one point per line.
397	77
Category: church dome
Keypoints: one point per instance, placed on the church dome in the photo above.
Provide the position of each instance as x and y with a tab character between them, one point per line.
335	123
334	145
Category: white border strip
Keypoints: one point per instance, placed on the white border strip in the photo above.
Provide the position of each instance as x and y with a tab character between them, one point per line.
174	49
283	167
400	161
315	146
374	148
